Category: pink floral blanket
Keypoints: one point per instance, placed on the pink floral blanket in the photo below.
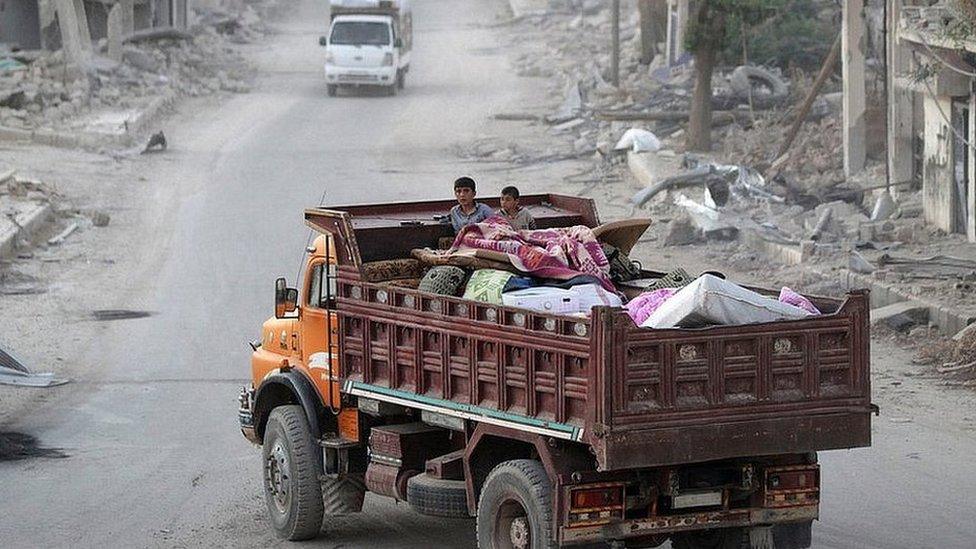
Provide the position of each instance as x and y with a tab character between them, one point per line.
559	253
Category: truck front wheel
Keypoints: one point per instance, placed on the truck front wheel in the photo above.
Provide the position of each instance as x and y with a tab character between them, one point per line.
331	89
721	538
291	475
515	507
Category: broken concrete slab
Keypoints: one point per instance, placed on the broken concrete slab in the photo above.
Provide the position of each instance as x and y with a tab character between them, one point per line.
900	317
681	232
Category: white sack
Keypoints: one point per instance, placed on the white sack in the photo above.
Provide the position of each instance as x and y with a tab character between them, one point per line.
638	140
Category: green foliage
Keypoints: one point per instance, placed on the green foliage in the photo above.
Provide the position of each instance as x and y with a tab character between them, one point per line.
779	32
712	24
794	39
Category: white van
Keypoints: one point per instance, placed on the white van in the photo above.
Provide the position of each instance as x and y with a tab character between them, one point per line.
369	44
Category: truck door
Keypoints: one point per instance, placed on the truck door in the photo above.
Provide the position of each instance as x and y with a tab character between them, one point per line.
319	337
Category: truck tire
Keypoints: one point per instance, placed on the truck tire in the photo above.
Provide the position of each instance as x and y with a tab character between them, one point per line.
291	475
743	78
391	90
401	79
331	89
515	507
438	497
718	538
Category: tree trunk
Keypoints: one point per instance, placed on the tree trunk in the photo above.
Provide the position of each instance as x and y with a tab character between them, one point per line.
709	28
700	118
647	35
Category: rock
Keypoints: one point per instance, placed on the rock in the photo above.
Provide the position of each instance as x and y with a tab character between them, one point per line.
100	219
681	232
900	317
140	59
967	333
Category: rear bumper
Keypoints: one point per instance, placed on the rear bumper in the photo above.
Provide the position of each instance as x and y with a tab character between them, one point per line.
376	76
689	521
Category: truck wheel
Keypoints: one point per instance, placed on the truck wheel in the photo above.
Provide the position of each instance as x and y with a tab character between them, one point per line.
401	79
437	497
719	538
515	508
391	90
291	475
331	89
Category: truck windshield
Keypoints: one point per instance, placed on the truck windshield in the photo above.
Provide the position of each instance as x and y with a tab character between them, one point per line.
357	33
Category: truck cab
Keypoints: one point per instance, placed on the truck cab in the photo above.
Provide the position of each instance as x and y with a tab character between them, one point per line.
368	44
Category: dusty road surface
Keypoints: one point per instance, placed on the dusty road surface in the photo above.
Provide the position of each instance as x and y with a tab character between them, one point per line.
153	454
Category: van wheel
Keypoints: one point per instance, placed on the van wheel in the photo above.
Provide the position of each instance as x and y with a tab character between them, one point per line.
291	475
515	508
331	89
719	538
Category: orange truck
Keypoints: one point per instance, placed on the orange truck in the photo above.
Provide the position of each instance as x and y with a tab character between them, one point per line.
549	430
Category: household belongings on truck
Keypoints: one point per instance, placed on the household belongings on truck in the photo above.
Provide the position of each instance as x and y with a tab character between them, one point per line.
568	271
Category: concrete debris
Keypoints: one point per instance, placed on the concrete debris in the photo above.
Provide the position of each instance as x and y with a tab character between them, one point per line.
681	232
884	207
859	264
46	95
638	140
711	222
900	317
14	372
60	237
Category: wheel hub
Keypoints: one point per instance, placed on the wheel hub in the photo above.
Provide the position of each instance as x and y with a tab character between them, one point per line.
520	533
277	477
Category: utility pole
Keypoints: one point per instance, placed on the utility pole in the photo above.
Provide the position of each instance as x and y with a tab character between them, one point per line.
615	54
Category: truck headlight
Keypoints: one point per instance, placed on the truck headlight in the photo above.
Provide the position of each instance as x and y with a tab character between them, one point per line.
329	58
388	59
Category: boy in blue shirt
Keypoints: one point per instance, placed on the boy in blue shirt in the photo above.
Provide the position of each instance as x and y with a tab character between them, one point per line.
467	210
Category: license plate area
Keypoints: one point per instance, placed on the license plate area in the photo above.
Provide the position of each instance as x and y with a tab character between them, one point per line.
702	498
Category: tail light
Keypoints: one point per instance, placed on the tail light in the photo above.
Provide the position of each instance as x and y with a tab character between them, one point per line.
589	505
388	59
792	485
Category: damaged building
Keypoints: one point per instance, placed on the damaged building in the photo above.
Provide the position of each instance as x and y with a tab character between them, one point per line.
36	24
931	127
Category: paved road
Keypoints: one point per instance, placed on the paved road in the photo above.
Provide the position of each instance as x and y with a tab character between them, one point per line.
155	458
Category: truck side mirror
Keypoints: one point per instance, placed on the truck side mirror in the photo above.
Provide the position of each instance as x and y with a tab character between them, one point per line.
323	41
398	43
286	299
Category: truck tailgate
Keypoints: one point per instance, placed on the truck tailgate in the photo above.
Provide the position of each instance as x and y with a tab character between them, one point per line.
682	396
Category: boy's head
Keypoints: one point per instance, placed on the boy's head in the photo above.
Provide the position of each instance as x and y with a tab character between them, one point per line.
510	198
464	190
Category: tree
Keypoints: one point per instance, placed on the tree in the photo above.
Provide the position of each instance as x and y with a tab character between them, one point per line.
708	32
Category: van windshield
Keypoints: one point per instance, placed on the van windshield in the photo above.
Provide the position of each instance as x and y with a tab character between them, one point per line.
359	33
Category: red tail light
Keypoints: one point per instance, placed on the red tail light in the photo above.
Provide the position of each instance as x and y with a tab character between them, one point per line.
592	498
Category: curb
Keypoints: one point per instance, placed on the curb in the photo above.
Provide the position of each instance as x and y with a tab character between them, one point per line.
92	140
27	224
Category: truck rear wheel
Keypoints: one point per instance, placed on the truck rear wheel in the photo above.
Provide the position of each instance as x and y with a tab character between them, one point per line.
515	508
331	89
438	497
291	475
719	538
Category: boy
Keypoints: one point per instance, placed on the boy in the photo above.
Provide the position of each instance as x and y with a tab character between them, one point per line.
519	217
467	210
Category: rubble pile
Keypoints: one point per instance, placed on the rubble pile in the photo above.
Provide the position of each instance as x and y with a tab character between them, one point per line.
46	93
